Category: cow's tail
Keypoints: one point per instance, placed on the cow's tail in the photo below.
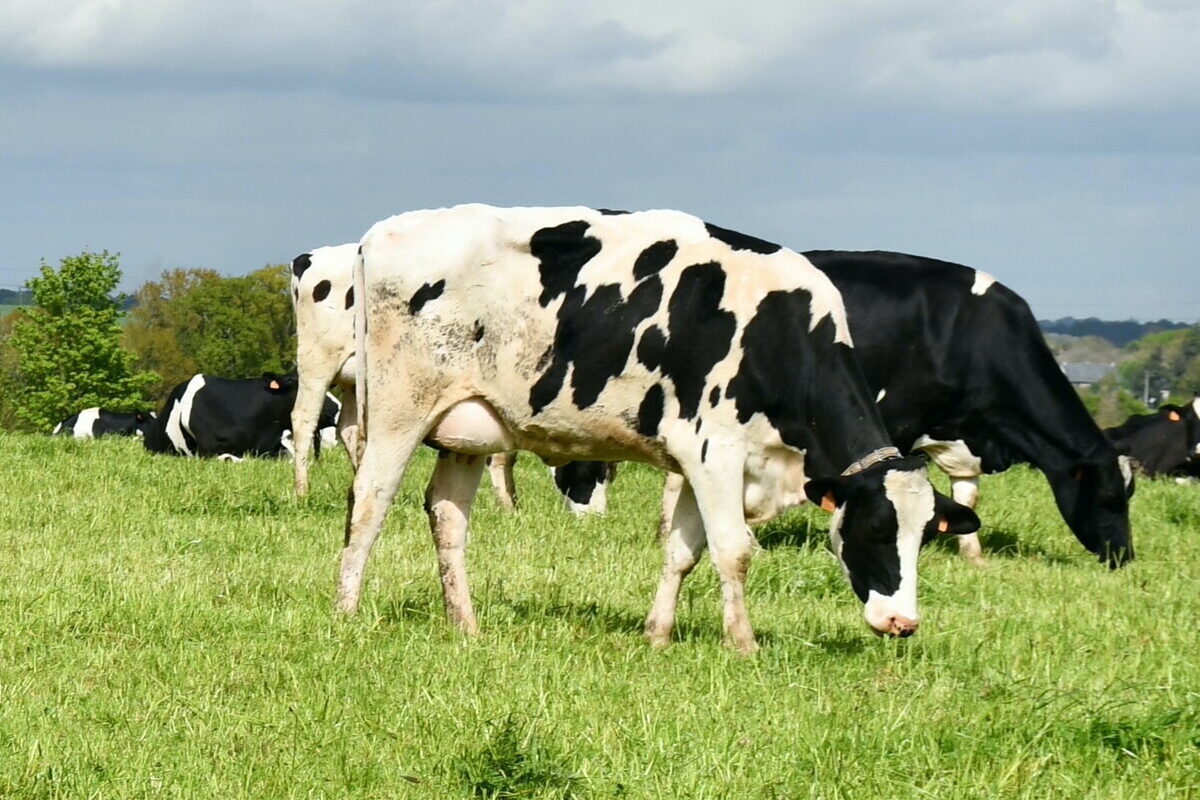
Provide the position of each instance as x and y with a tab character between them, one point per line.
359	355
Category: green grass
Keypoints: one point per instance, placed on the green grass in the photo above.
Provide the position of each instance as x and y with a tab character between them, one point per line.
166	632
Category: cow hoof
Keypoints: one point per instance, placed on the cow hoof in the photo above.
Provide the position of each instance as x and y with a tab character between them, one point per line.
742	648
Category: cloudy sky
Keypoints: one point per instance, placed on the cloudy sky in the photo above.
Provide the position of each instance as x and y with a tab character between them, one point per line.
1055	143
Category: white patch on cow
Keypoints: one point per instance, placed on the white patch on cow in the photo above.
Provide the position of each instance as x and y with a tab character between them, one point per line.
85	423
287	443
983	282
596	504
180	417
1196	411
1125	464
952	457
57	428
329	437
882	394
911	494
230	457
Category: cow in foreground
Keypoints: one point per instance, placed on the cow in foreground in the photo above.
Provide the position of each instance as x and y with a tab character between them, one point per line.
229	418
1166	442
323	300
92	423
588	335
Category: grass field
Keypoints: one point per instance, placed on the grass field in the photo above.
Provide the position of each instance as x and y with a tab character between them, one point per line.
166	632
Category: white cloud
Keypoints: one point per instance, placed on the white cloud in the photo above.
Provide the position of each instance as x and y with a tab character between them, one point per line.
1016	54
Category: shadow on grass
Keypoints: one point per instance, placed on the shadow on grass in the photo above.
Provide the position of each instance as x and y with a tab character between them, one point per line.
1000	543
511	758
590	615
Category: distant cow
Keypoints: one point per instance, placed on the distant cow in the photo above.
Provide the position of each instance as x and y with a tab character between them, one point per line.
591	335
92	423
323	299
1166	442
229	418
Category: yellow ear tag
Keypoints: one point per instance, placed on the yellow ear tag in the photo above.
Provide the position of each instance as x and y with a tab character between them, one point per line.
1173	416
827	503
943	525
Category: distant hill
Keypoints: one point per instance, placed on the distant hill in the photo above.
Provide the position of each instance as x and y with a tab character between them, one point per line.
1119	332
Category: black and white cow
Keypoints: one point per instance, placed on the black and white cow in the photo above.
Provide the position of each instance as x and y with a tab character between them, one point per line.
588	335
92	423
1166	442
961	371
323	299
229	417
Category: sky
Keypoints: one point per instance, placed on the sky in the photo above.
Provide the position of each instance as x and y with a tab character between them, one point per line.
1053	143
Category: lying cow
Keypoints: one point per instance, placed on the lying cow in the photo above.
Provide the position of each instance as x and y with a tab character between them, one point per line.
590	335
323	299
229	418
92	423
1166	442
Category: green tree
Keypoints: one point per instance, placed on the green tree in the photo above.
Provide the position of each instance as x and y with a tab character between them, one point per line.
1172	360
10	383
199	321
68	344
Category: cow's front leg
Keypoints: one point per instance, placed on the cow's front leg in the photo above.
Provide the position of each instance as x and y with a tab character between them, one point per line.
966	492
500	470
718	486
448	501
681	548
671	488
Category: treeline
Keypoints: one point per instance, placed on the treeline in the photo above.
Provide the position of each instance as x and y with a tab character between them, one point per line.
76	346
1119	332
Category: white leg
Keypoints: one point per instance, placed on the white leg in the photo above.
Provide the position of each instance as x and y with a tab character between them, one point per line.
448	502
347	426
681	548
500	470
671	488
385	457
966	492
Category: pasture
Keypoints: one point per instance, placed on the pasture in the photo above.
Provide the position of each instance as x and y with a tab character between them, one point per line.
166	631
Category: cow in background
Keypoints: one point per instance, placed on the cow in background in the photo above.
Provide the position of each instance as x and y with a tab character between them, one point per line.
1166	442
92	423
230	418
323	300
590	335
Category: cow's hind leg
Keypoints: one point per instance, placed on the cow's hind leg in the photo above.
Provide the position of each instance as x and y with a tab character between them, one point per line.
966	492
448	502
671	488
347	424
500	470
385	457
681	548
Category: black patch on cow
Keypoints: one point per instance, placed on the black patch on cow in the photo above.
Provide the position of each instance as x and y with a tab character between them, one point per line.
740	241
350	297
577	480
477	334
654	258
296	294
544	359
596	335
699	333
699	421
562	251
300	263
703	451
651	347
427	292
714	396
610	212
321	291
650	412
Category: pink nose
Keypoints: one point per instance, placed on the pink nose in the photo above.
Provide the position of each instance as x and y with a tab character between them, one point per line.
897	625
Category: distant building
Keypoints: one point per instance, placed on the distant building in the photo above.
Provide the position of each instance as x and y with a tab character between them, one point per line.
1086	373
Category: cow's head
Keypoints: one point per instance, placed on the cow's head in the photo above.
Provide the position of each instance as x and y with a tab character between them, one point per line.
142	420
880	517
280	384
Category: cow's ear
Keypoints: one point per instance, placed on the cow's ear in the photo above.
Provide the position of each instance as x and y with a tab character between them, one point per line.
828	493
1171	411
952	518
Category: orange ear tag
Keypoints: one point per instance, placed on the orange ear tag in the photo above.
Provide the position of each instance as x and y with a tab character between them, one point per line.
827	502
1173	416
273	385
943	525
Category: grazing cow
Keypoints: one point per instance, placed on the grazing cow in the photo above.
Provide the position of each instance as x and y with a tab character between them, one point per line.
1164	443
323	300
589	335
92	423
229	418
961	371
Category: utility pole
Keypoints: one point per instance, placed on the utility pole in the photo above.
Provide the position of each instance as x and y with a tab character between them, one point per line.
1146	387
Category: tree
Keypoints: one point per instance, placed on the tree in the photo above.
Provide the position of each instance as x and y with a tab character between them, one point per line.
199	321
68	344
1172	360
